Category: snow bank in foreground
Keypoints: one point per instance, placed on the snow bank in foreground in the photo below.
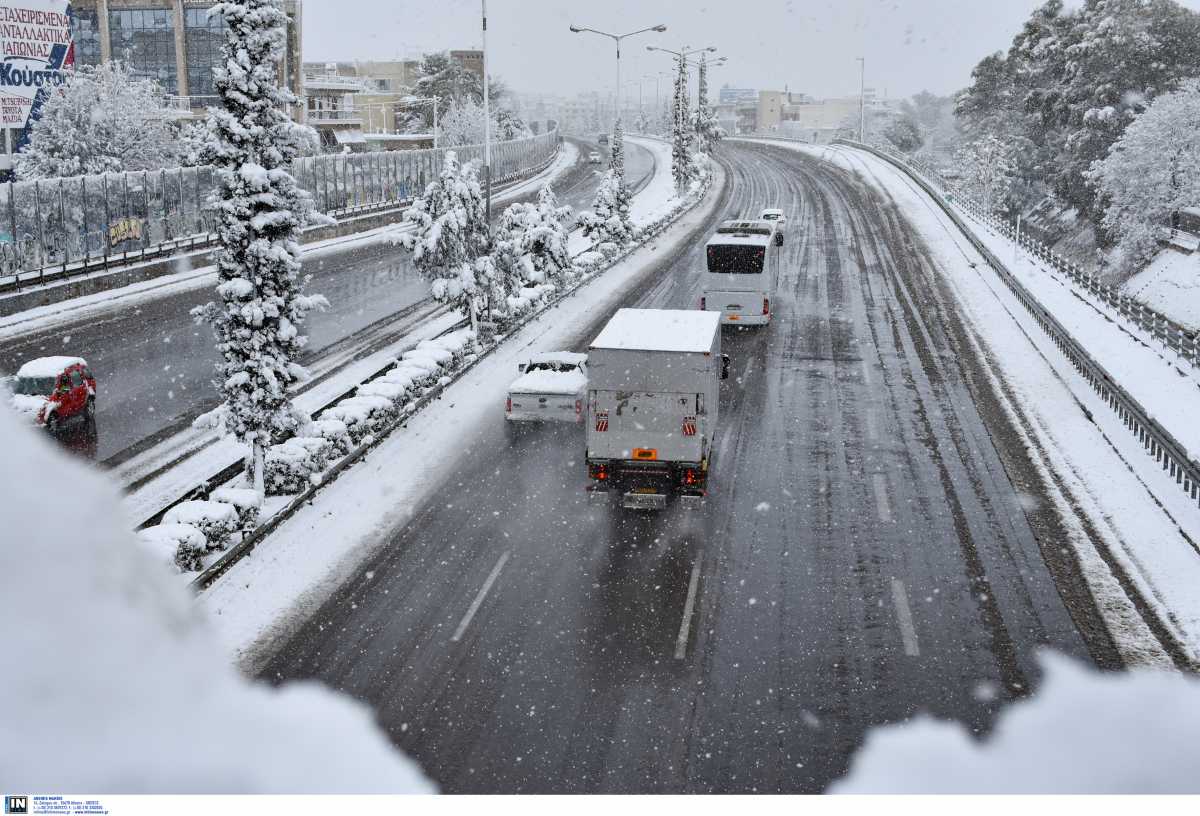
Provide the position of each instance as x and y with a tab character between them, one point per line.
121	687
1170	285
1084	732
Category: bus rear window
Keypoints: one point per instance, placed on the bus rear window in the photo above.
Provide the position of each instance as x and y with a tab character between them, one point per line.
735	260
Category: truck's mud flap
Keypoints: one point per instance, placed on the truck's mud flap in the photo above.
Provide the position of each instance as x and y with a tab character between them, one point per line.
644	501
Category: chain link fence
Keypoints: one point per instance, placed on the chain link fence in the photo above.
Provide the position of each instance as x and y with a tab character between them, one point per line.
59	227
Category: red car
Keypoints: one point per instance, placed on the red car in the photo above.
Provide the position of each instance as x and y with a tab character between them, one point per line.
54	391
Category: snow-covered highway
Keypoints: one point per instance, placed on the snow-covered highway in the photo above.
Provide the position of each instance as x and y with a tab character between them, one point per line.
878	542
155	366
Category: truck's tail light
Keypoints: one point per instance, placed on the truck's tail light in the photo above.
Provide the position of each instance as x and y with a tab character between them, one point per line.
689	426
599	472
508	406
766	306
690	477
703	303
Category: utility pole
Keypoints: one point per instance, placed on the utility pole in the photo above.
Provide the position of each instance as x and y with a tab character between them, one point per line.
862	99
487	124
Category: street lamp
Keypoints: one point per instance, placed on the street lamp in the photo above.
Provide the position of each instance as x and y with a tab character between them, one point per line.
487	123
617	39
683	60
862	99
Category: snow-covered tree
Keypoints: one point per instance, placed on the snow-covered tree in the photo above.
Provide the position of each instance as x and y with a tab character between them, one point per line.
450	236
616	158
708	129
260	210
440	75
536	235
904	133
104	120
1152	171
986	168
682	168
608	221
463	125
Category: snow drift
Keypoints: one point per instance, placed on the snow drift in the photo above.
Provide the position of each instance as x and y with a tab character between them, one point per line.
121	686
1083	732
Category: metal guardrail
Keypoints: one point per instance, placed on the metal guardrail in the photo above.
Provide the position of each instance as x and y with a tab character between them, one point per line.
1177	338
53	229
1173	457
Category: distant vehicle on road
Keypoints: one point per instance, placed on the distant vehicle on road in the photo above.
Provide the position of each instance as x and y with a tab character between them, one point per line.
742	272
594	158
53	391
603	139
551	388
654	377
776	217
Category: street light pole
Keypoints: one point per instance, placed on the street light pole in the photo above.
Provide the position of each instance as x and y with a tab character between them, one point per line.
862	99
487	123
616	38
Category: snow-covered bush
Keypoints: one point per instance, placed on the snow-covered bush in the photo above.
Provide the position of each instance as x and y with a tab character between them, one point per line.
333	430
288	469
259	211
363	416
450	236
218	521
244	500
427	355
380	387
180	545
106	120
536	236
1152	171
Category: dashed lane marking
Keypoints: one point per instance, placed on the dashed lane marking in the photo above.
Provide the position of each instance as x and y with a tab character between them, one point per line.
908	632
882	505
478	602
688	607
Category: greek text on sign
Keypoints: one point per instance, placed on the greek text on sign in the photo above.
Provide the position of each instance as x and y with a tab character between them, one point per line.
36	55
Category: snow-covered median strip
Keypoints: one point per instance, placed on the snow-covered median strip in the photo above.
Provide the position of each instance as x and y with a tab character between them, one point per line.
1131	528
262	598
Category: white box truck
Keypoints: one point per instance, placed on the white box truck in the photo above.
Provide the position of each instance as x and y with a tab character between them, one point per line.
653	380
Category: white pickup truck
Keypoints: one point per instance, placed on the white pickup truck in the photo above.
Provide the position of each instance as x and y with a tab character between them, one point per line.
653	380
551	388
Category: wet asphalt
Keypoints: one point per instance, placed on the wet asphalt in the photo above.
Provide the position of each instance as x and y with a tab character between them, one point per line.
876	545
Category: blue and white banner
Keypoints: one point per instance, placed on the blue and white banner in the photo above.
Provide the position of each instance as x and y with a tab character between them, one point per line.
36	56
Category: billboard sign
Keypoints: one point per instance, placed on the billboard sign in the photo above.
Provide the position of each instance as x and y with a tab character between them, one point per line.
36	56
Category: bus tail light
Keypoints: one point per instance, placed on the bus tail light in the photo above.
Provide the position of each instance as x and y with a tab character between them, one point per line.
703	303
508	406
598	471
578	407
766	306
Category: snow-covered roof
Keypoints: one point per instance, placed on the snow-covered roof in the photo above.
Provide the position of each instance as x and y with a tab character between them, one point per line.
549	382
659	330
772	211
48	366
566	357
753	233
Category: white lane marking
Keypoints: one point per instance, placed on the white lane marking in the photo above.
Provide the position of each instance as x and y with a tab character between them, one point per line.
866	370
746	373
688	607
907	631
869	419
882	505
478	602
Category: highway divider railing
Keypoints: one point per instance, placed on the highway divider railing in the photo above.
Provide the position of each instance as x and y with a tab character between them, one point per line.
369	411
1172	335
51	229
1168	452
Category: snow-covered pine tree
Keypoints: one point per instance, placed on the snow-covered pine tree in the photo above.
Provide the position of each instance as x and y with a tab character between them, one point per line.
104	121
617	165
450	236
682	169
608	221
260	210
708	130
537	238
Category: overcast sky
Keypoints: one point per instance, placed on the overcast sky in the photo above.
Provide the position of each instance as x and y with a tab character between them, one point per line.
806	45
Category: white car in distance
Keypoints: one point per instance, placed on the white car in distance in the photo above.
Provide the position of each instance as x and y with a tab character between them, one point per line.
594	157
551	388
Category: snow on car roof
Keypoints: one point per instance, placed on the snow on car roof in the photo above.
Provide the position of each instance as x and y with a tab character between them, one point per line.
566	357
49	366
772	211
659	330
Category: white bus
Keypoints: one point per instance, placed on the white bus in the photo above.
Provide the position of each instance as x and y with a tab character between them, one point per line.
742	272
